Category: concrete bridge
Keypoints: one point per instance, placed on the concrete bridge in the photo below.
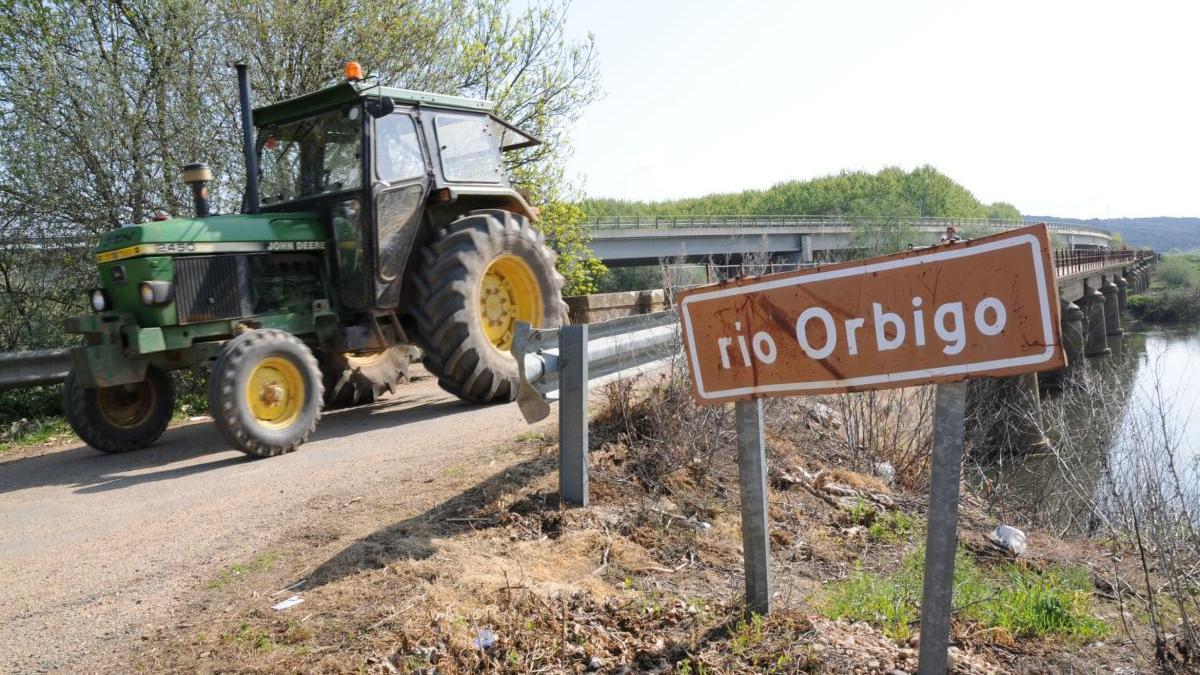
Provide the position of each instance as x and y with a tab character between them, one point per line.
644	240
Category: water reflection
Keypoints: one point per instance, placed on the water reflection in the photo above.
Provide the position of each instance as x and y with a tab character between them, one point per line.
1120	411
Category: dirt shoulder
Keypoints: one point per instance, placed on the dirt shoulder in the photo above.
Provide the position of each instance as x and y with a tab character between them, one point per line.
502	578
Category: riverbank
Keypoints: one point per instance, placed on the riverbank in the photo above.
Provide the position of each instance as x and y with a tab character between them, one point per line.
1174	295
648	578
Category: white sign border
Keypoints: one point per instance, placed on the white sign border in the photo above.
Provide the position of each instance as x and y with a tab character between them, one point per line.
885	378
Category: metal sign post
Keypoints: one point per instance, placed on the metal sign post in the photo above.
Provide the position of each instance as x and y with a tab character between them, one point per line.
941	537
752	479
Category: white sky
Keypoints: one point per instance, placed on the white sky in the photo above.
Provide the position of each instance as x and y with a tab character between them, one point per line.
1070	109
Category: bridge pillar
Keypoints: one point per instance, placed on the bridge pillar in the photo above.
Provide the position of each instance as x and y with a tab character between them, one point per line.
1096	337
806	251
1112	308
1071	320
1122	290
1024	421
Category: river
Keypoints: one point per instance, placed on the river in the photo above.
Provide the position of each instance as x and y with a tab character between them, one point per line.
1132	420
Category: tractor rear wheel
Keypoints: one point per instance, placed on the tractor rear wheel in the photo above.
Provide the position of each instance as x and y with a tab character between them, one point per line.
357	379
265	392
489	270
123	417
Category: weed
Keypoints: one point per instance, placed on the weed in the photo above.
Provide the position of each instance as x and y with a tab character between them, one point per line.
863	512
259	563
747	634
1025	602
24	433
456	472
893	527
296	632
249	636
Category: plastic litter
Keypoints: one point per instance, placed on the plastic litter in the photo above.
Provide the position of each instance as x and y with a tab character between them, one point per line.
1008	538
484	639
290	602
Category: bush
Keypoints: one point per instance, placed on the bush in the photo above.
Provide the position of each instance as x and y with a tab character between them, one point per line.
1170	306
1177	272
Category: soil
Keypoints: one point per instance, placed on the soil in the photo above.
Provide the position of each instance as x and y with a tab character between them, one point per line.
481	569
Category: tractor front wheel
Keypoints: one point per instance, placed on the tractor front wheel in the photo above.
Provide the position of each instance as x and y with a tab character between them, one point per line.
123	417
265	392
489	270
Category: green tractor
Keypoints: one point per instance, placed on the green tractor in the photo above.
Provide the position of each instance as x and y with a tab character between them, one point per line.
375	220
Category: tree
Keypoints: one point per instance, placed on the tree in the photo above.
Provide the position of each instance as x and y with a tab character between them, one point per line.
102	102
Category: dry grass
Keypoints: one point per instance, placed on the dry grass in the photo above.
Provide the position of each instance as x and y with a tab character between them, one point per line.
501	578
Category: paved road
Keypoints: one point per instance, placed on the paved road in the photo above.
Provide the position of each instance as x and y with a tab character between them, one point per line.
95	548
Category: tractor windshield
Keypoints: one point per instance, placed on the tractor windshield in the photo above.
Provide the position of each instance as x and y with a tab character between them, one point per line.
311	156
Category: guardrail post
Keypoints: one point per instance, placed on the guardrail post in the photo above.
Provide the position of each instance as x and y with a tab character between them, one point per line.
752	477
573	414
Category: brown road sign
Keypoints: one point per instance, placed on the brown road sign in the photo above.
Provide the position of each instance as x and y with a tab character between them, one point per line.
982	308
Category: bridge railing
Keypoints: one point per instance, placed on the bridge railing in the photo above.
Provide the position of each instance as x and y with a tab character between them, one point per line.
616	223
1067	262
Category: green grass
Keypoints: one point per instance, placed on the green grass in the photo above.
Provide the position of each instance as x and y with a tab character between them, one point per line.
893	527
889	527
259	563
35	432
1024	602
249	636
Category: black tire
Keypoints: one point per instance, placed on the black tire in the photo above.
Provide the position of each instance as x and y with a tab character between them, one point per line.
299	400
457	349
356	380
123	417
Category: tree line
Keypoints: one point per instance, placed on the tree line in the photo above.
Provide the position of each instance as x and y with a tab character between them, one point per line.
889	193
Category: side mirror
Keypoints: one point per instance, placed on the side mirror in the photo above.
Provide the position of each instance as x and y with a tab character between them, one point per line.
381	107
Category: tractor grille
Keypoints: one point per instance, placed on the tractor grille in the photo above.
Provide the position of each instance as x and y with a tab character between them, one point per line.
208	287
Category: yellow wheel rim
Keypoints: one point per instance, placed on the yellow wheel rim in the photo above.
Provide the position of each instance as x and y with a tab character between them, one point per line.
275	392
508	293
126	406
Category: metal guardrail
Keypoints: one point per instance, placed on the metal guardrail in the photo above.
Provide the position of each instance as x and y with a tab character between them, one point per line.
604	223
564	363
612	348
28	369
1073	262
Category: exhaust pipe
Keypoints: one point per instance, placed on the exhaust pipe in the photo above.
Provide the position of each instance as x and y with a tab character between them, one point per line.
197	177
250	202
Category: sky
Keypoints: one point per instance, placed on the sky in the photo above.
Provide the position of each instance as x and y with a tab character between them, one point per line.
1086	110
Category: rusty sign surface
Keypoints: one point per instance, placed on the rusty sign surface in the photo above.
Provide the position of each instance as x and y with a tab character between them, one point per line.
986	307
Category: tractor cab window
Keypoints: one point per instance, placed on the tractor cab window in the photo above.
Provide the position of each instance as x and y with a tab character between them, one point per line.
397	148
311	156
469	148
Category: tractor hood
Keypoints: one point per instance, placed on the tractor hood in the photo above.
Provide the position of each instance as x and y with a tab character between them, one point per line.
214	234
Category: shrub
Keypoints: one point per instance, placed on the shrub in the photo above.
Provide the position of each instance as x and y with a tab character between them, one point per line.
1176	272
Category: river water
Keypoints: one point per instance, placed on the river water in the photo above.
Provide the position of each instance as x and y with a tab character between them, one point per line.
1131	421
1166	365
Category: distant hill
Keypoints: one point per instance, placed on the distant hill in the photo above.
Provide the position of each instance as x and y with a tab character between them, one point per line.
1158	232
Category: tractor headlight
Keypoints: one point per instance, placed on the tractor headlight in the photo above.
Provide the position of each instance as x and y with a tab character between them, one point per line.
99	300
154	292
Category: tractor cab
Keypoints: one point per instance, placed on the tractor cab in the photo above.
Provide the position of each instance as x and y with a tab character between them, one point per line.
372	161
